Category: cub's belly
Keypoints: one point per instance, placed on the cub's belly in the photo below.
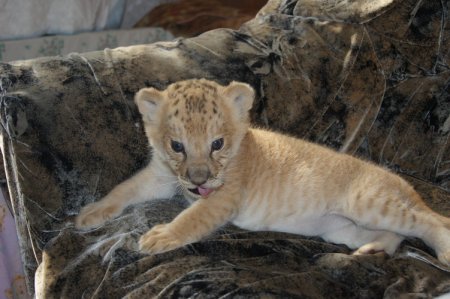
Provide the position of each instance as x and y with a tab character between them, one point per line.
308	225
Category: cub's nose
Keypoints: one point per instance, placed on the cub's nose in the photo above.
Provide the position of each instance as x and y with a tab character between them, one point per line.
198	174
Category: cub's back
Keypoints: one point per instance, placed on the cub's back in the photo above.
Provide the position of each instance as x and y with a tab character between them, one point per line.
268	158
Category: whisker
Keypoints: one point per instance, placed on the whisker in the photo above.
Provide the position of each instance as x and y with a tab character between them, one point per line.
164	176
166	183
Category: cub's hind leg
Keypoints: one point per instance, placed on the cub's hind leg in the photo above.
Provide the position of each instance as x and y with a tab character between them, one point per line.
399	209
363	240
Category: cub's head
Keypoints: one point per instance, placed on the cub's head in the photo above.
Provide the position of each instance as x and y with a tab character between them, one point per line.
196	127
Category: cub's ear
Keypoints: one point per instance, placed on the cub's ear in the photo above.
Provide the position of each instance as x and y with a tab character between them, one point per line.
241	96
149	101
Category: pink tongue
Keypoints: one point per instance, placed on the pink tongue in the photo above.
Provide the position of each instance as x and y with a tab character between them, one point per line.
204	191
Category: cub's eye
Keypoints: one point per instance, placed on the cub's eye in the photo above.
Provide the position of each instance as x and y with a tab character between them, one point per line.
177	147
217	144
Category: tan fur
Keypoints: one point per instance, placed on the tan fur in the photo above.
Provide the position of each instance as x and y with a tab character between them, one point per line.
261	180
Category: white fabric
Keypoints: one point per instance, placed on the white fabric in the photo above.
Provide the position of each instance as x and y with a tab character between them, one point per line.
25	18
83	42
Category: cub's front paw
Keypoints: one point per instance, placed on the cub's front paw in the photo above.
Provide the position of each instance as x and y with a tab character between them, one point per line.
159	239
95	214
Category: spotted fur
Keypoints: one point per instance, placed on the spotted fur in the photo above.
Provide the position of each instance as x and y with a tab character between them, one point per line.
261	180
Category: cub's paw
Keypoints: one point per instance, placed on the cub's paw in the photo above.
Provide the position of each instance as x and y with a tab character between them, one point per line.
159	239
444	258
370	248
95	214
387	242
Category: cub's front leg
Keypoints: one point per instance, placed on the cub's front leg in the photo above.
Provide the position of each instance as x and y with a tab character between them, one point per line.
199	220
150	183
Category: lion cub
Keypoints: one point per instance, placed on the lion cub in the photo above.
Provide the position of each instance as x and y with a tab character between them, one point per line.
260	180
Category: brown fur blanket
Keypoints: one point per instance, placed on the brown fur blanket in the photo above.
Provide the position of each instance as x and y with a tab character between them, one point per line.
368	77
